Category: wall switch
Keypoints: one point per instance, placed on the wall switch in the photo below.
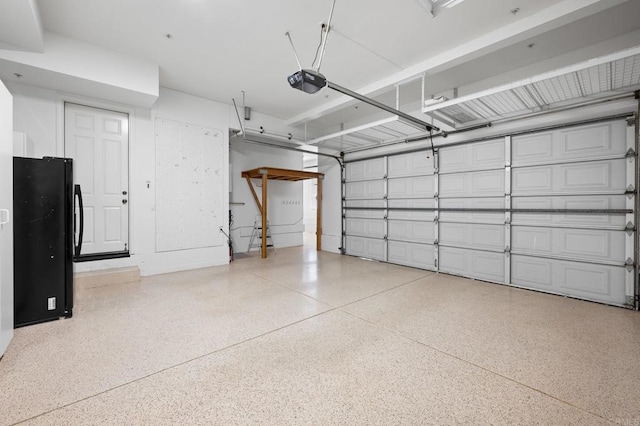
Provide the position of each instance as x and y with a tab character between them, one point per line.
51	303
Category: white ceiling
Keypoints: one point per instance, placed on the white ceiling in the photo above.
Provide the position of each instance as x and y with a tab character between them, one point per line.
220	48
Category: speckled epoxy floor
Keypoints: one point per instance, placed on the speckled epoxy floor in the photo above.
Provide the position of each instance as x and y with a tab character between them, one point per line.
317	338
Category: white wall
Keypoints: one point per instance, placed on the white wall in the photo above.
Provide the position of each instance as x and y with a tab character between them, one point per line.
6	230
84	69
39	114
285	199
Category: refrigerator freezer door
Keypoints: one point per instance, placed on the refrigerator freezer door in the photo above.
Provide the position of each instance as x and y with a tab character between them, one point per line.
42	253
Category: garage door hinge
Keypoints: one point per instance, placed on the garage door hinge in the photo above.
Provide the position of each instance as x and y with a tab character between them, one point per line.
630	228
630	153
435	219
435	242
507	251
630	192
435	195
385	238
629	264
507	221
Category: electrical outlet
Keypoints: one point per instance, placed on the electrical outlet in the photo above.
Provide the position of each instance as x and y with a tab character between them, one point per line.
51	303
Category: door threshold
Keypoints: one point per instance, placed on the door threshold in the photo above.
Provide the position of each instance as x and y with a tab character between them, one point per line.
101	256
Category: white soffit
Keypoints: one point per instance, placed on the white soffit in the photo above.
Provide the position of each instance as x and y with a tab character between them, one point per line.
379	132
594	79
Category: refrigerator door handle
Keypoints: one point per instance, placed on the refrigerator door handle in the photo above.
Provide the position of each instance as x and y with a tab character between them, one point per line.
77	192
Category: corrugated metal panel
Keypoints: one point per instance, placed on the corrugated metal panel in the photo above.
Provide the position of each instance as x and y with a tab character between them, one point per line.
592	79
388	130
600	77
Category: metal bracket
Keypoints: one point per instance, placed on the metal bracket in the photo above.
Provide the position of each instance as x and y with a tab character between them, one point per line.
630	153
385	217
507	251
629	264
385	197
630	192
385	177
385	237
435	242
631	121
630	228
435	219
507	221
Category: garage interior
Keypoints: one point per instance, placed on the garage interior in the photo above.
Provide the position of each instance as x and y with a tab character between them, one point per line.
454	212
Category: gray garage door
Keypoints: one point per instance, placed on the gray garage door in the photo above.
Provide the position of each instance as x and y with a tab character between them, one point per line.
551	211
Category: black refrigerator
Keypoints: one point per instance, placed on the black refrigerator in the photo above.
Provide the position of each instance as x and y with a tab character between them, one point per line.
43	196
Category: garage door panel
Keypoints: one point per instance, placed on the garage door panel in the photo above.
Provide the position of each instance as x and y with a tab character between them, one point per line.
601	202
422	232
374	214
411	254
602	283
472	235
586	142
470	216
474	184
588	244
365	190
366	247
472	263
480	156
372	228
595	177
366	169
412	215
412	164
411	187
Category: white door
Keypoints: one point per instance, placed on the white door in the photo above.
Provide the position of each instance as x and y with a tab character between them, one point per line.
6	226
98	142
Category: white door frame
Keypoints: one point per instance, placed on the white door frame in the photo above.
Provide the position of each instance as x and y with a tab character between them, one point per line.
61	99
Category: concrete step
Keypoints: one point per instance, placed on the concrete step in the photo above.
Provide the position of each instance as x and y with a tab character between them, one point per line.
105	277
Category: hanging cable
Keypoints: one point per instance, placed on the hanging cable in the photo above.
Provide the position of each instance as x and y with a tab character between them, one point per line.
322	36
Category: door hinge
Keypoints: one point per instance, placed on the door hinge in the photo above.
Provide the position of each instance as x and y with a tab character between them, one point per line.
629	264
630	228
507	251
630	153
630	192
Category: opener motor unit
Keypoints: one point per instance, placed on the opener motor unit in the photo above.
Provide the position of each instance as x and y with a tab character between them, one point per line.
307	80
